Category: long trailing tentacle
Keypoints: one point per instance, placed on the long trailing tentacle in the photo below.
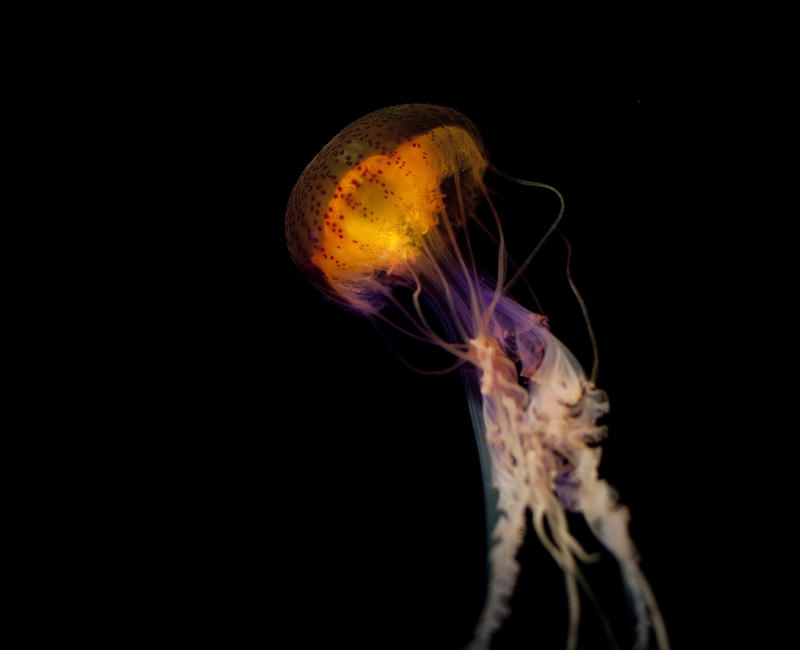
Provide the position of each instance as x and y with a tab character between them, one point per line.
520	270
608	520
501	406
542	445
553	226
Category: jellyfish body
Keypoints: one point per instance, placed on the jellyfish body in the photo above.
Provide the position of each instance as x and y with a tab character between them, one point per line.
383	209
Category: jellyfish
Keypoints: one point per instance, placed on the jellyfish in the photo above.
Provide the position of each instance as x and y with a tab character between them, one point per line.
384	221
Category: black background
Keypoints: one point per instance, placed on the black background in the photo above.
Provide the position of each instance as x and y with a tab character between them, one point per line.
307	483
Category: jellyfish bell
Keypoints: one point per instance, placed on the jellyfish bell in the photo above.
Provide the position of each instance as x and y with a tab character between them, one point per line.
369	206
386	207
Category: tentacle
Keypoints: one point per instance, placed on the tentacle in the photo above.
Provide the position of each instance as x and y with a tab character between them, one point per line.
608	520
542	445
503	405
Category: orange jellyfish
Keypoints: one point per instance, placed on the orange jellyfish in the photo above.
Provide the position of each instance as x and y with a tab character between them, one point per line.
383	221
